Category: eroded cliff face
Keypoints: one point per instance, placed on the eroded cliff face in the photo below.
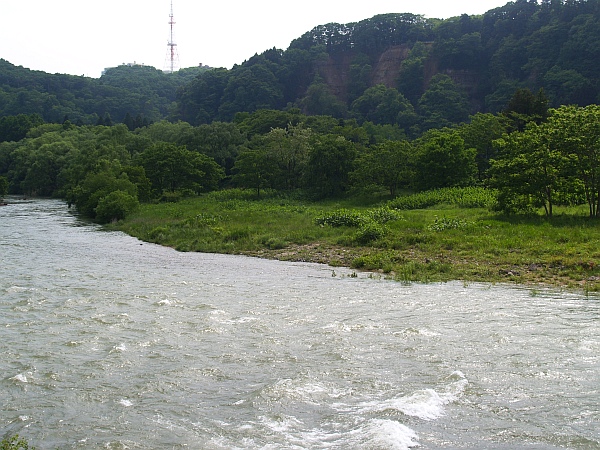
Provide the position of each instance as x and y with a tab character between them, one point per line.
387	69
336	70
336	73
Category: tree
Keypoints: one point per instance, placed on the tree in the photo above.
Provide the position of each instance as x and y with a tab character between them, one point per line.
528	172
115	206
319	100
569	87
3	187
251	88
15	443
129	122
171	167
220	141
480	134
443	161
388	165
382	105
443	103
525	107
329	164
15	128
575	132
252	170
97	185
288	149
199	100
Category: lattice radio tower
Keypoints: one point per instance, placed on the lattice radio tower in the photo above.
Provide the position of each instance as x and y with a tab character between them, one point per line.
172	61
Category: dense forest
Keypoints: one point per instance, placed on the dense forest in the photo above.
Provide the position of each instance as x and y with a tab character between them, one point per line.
134	91
399	69
391	104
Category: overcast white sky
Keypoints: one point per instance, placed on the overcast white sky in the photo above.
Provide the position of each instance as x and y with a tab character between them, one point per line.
82	37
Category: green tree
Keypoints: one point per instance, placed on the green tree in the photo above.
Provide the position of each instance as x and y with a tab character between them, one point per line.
411	81
115	206
15	128
569	87
480	134
575	132
288	149
220	141
329	165
319	100
525	107
171	167
383	105
97	185
199	101
529	171
3	187
137	175
252	170
250	88
15	443
388	165
442	160
443	103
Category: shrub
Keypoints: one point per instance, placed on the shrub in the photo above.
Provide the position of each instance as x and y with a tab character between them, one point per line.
383	215
447	224
115	206
15	443
341	218
369	232
469	197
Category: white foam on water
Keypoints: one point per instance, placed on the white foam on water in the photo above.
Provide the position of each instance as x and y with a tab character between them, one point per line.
125	402
426	404
303	390
388	434
119	348
21	378
376	433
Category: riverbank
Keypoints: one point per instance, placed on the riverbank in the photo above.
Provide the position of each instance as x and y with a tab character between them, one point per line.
438	243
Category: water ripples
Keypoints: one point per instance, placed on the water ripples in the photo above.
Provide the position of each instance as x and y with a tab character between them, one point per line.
107	343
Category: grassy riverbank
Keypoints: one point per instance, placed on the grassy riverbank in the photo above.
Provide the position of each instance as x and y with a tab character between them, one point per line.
441	242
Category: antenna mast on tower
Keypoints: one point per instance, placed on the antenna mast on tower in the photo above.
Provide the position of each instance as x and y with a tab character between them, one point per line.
172	56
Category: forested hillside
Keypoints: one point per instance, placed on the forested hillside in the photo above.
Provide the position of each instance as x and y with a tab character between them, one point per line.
397	69
414	72
142	92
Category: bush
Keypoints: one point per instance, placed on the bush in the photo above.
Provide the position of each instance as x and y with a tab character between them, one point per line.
369	232
383	215
469	197
15	443
447	224
341	218
115	206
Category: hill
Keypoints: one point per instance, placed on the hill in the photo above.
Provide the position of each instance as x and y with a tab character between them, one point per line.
127	89
398	69
440	70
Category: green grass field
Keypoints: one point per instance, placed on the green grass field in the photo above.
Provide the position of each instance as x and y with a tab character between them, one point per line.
409	239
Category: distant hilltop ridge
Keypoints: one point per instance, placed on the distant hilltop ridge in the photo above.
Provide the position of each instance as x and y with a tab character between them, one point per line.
136	64
440	70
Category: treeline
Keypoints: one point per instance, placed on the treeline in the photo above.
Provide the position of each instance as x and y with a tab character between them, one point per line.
393	69
137	91
532	160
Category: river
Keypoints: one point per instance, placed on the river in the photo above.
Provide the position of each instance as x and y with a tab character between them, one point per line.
108	342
